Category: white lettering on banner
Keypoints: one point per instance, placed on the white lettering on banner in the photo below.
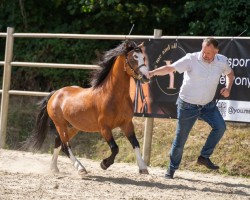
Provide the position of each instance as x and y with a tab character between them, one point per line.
234	110
171	89
242	81
239	81
235	62
222	80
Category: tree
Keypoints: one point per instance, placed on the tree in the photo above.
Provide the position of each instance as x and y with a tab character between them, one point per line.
76	16
218	17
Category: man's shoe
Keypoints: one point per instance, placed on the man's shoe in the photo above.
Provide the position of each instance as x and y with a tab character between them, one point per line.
169	174
207	162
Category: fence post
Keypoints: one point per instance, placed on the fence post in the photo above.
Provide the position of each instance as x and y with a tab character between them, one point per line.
6	85
149	123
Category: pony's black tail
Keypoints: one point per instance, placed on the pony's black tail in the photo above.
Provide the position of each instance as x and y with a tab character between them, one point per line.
35	141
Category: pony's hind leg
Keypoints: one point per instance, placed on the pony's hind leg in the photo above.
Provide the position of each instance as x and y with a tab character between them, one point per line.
66	133
77	164
141	164
57	149
105	164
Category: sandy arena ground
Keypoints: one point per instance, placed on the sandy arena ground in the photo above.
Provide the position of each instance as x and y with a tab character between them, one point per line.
26	176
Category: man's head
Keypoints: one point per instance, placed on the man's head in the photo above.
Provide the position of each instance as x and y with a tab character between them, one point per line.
209	49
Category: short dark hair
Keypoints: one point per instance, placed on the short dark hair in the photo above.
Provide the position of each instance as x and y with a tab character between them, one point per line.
212	41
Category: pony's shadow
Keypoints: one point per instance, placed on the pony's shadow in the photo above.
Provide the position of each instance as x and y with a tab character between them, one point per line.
228	185
127	181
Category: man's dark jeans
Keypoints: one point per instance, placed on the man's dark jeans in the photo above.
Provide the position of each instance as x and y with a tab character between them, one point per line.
187	114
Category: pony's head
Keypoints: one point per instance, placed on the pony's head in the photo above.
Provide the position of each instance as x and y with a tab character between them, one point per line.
136	61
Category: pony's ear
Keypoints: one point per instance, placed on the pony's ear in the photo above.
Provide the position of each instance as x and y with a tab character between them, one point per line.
141	45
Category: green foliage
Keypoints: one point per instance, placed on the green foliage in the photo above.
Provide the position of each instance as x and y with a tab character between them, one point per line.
219	17
75	16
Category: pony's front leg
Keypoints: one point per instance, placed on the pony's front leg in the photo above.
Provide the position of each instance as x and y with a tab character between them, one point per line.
77	164
140	162
114	151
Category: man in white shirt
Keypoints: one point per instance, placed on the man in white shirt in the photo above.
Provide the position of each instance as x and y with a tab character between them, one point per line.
202	71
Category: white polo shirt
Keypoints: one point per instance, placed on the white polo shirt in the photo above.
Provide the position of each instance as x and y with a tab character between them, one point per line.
200	78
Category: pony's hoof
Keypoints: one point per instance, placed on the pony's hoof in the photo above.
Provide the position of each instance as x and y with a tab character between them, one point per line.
143	171
54	170
82	172
103	166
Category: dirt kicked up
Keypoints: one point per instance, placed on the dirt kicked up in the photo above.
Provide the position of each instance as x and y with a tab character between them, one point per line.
26	176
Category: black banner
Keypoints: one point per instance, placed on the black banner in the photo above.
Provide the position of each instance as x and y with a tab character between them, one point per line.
158	98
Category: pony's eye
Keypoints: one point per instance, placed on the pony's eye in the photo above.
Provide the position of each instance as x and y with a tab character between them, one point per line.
135	56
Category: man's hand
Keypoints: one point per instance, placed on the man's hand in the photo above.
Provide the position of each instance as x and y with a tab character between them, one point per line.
151	74
225	92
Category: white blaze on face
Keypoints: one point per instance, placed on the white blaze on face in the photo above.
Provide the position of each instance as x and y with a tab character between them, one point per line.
140	59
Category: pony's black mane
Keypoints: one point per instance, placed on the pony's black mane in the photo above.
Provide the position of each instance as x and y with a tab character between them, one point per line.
108	59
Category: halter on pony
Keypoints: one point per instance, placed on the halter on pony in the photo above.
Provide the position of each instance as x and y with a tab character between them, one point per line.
132	47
